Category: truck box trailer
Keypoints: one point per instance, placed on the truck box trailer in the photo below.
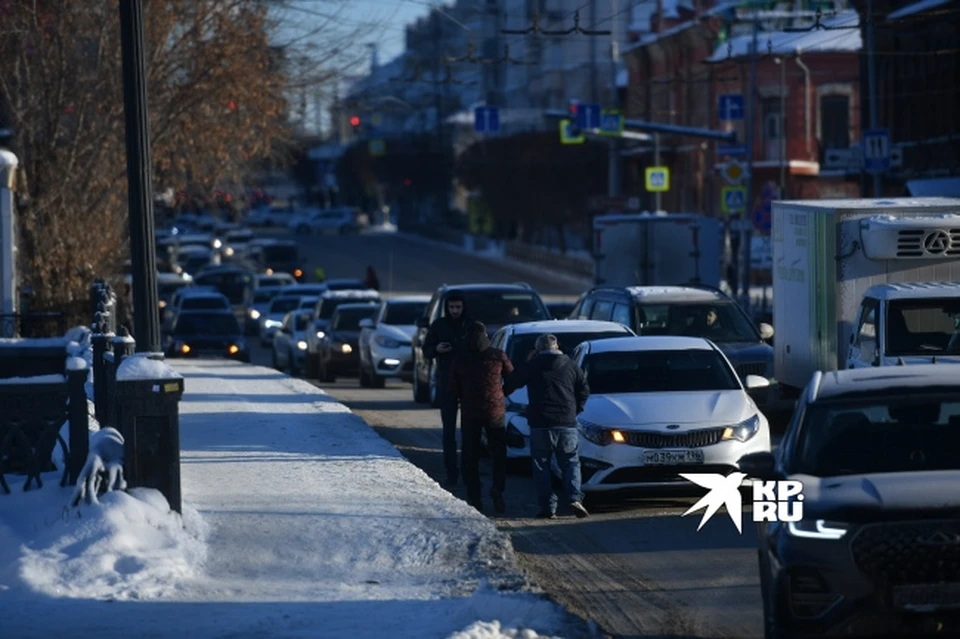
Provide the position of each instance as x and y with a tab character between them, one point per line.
657	250
846	273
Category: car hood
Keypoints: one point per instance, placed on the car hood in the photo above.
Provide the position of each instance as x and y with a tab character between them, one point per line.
881	496
397	332
689	410
739	352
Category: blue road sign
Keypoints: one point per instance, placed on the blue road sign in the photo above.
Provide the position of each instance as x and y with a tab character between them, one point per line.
876	150
611	122
734	199
486	119
762	217
731	106
588	116
733	150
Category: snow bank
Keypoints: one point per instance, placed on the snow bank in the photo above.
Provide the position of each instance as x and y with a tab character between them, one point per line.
140	367
131	546
35	379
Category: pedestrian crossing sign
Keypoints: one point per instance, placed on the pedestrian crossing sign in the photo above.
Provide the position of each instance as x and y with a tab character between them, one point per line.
733	199
566	137
658	179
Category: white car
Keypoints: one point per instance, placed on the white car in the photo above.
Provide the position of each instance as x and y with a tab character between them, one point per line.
660	406
336	221
290	342
518	340
385	340
272	319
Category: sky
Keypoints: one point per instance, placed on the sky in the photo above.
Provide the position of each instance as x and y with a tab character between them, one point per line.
298	521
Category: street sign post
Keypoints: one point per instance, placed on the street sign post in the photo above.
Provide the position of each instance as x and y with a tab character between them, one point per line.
658	179
611	123
588	116
733	172
377	148
731	107
876	150
733	150
568	136
486	119
733	199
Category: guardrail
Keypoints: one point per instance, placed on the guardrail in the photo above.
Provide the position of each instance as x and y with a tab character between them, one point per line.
549	260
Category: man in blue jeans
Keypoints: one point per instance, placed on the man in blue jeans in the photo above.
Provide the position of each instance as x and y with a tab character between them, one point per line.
557	391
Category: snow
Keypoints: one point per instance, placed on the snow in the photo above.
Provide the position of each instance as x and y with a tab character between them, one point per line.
77	364
916	7
789	43
298	521
139	366
35	379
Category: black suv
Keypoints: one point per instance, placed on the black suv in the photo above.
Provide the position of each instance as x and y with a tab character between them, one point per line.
684	310
496	305
877	549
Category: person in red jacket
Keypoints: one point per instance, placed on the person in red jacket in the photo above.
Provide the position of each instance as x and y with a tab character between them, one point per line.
476	380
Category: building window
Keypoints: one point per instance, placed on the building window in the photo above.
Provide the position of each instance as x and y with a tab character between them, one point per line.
772	127
835	122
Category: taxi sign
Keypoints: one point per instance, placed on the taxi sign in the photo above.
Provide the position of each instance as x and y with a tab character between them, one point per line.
658	179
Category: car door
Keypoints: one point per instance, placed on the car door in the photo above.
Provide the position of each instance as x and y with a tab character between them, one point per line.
864	350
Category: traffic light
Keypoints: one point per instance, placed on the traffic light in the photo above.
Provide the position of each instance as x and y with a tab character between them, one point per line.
355	123
573	108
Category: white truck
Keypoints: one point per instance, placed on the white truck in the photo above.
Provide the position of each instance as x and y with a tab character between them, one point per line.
864	283
661	249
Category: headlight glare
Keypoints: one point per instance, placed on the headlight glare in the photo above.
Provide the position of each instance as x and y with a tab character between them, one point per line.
254	313
321	334
818	529
744	430
302	345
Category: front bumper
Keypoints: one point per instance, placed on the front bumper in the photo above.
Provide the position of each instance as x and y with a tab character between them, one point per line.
621	466
343	363
392	362
825	588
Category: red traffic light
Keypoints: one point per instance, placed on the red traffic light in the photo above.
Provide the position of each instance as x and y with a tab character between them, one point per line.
407	181
355	120
572	108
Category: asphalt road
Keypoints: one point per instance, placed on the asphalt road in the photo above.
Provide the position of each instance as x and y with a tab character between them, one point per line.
635	566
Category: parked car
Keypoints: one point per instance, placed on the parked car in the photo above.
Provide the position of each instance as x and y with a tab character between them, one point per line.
289	342
207	333
258	305
518	341
323	313
339	350
660	406
877	549
385	340
496	305
272	320
683	311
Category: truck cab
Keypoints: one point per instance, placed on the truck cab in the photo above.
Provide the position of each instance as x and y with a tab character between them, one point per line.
907	323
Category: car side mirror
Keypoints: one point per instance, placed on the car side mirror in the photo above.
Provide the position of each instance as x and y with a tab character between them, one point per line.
766	331
761	465
366	323
423	322
753	382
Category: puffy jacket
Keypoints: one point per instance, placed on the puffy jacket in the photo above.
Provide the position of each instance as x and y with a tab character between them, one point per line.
443	330
476	379
556	387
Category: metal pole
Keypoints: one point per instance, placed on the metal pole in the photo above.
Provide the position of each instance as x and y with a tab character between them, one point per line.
146	324
657	200
783	128
613	170
745	226
872	79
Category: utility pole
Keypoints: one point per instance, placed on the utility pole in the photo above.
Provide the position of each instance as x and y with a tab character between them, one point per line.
438	104
139	178
872	79
657	196
613	169
745	222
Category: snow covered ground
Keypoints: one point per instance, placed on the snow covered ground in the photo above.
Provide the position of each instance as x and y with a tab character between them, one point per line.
298	521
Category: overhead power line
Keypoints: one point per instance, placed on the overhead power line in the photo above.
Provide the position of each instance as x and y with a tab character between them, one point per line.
470	57
536	28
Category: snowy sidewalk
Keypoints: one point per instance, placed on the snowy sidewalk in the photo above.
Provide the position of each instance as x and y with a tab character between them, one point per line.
299	521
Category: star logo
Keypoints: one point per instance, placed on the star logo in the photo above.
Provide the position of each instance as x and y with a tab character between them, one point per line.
724	491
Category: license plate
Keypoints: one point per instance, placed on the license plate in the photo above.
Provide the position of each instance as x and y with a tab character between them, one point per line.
672	457
927	597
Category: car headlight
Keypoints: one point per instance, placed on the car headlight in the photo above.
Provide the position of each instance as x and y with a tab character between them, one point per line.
228	251
386	342
233	349
600	435
302	345
217	244
346	348
273	323
321	334
744	430
183	348
817	529
254	313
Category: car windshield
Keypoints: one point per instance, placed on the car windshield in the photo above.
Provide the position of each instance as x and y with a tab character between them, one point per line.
882	435
330	304
205	302
349	319
520	346
923	327
207	324
718	321
262	296
281	253
403	313
302	322
284	304
658	371
275	281
346	285
496	308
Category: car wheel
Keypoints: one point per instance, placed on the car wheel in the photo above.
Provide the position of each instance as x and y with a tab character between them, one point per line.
325	374
363	378
377	381
421	394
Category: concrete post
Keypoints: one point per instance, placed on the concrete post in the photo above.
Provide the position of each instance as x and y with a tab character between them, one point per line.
8	241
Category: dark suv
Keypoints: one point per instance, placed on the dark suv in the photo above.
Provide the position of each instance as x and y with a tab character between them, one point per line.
496	305
877	549
692	311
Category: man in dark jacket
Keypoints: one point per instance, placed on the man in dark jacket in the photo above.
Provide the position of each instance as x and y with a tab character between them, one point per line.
476	380
446	338
557	391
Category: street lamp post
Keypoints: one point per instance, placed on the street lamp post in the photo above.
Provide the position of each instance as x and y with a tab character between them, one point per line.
143	259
